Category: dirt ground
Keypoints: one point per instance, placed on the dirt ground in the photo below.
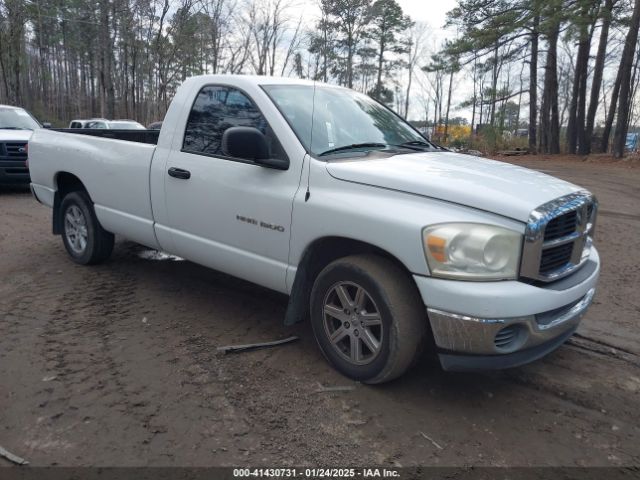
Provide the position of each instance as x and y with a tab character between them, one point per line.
117	365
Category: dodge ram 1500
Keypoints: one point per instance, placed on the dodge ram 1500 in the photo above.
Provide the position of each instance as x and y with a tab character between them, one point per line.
384	240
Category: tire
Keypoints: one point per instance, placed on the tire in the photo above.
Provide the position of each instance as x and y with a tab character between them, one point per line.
369	351
86	242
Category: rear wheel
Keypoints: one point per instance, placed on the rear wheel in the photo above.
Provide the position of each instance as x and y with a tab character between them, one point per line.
84	238
368	318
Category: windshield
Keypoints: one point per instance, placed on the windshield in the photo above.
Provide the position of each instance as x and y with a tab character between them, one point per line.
17	119
126	126
342	120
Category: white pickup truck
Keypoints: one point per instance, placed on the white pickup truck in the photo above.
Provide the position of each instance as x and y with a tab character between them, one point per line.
387	242
16	127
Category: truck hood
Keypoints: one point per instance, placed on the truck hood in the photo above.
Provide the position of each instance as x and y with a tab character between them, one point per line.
489	185
15	135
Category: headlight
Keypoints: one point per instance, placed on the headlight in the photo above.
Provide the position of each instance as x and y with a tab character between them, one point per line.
472	251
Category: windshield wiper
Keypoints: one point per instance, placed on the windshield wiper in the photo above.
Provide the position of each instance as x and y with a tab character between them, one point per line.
429	144
417	144
354	146
14	128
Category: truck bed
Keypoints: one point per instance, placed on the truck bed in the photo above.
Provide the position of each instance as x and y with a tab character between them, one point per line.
139	136
114	170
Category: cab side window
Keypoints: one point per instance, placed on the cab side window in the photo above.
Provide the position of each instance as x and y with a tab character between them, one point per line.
218	108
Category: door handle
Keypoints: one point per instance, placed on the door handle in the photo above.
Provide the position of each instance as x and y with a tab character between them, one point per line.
179	173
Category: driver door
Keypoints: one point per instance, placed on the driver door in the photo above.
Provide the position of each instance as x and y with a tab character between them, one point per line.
229	214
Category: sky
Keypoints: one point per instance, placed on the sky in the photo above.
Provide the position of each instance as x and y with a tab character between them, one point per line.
429	11
433	13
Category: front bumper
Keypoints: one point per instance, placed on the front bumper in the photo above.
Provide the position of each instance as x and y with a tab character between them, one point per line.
14	173
505	324
465	363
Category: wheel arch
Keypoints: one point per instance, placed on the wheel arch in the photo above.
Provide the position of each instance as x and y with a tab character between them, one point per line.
65	183
317	255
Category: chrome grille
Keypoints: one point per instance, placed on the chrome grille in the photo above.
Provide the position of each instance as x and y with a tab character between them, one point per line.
558	237
561	226
12	151
555	258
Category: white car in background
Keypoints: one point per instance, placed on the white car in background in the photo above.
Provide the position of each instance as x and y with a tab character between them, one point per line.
104	124
77	123
116	125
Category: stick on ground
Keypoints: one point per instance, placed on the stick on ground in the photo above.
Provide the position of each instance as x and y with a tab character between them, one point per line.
339	388
12	458
255	346
435	444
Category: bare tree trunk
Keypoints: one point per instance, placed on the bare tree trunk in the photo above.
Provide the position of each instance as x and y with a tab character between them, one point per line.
494	85
407	94
378	90
598	70
608	125
350	49
475	94
481	102
579	83
634	89
549	117
292	46
446	120
517	126
626	65
582	102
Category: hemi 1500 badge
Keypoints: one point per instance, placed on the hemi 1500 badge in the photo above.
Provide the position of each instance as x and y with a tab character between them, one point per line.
260	223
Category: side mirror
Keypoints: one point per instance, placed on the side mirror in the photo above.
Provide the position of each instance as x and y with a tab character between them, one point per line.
46	125
249	143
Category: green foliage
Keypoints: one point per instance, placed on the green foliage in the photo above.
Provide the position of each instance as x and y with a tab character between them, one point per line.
484	24
491	141
388	22
446	61
356	40
338	36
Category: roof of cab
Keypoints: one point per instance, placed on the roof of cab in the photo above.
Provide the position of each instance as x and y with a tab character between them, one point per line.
257	80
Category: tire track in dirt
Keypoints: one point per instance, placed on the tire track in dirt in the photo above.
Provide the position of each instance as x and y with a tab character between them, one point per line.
604	348
579	378
77	346
624	216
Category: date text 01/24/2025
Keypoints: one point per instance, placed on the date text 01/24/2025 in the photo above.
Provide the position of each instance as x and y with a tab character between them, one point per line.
316	473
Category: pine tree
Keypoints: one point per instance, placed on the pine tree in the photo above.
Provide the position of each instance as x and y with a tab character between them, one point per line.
626	66
388	22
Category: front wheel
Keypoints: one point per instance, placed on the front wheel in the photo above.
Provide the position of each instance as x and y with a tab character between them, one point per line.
368	318
84	238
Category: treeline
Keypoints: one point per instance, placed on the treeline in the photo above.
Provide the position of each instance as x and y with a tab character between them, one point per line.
564	70
125	58
559	54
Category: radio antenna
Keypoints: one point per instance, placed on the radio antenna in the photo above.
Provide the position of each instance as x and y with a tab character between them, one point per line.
313	111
